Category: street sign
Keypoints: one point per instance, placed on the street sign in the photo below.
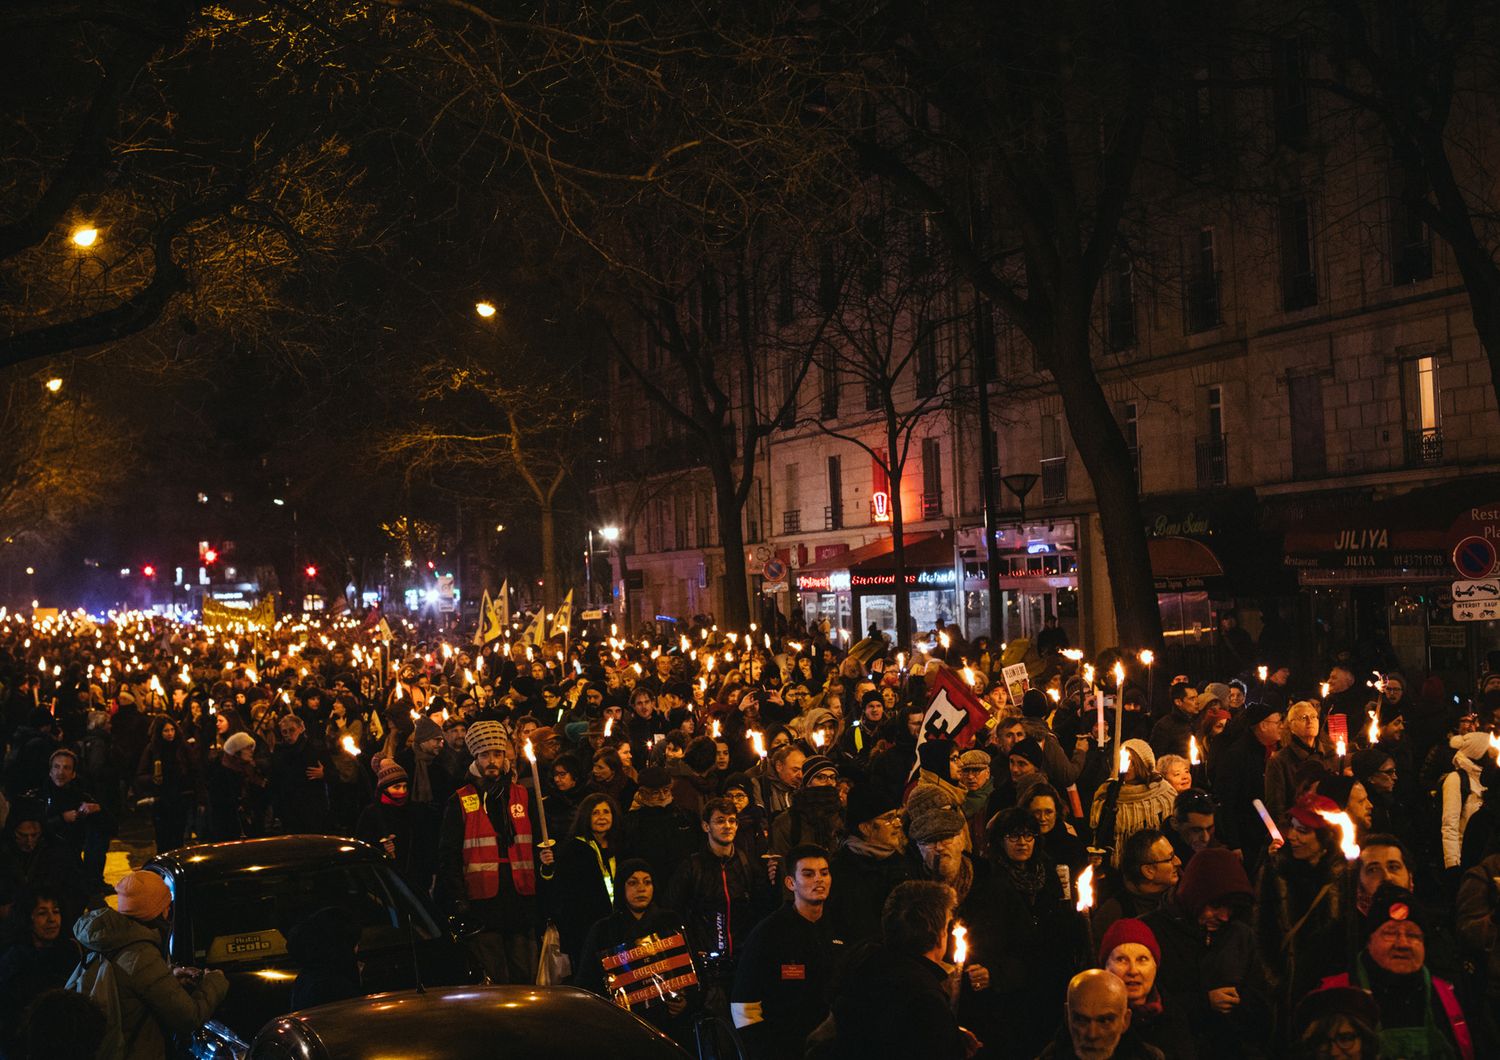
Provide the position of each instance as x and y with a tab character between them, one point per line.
1476	600
1474	557
1447	637
774	571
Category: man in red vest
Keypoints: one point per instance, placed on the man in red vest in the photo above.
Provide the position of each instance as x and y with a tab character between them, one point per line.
488	860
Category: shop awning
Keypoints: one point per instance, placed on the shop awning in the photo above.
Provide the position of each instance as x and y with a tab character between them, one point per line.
1182	559
922	550
855	556
1406	537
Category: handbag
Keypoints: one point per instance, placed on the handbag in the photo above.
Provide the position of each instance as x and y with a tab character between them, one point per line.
554	966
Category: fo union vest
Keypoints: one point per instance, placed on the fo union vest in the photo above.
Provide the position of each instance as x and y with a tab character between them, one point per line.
482	846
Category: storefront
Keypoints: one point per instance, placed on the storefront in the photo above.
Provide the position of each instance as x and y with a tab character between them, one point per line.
1381	575
1038	577
931	579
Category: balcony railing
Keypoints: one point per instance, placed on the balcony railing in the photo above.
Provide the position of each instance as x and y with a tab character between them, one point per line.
791	521
833	517
1213	461
1203	309
932	505
1054	478
1424	448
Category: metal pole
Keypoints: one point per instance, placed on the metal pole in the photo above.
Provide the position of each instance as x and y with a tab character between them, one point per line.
588	568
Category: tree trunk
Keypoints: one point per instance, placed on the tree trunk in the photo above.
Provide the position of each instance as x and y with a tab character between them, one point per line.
549	556
732	538
1106	458
898	535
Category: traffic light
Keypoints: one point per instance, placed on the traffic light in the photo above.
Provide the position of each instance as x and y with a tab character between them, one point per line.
311	570
149	571
207	554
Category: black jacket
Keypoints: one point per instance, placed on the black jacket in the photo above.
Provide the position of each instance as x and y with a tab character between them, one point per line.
861	884
697	891
786	966
893	1004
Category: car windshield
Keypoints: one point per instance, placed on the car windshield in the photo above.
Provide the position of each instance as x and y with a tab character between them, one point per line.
247	917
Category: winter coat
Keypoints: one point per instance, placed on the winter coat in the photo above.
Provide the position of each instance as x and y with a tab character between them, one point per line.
864	881
1169	736
662	835
1061	769
1458	809
1240	778
1193	962
576	896
1139	807
870	1022
1299	921
1477	911
1281	776
151	998
814	816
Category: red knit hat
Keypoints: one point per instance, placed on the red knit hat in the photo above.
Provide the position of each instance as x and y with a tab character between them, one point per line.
1129	929
1309	810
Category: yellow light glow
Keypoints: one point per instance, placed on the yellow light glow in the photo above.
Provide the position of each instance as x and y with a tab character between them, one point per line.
85	236
485	309
54	384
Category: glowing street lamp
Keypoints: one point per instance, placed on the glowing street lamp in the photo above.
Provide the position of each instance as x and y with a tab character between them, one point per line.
54	384
85	236
485	309
610	533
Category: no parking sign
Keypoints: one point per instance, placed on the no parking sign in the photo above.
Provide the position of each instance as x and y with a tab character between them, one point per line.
1474	557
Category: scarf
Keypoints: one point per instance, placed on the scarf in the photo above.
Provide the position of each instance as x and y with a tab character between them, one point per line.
385	797
1028	877
864	848
421	783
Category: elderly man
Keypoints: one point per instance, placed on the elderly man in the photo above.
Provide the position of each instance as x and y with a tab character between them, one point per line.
487	858
1096	1020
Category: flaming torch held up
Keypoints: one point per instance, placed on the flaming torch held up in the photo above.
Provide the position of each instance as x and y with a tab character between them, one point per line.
536	782
1194	758
1345	825
350	747
960	944
1086	889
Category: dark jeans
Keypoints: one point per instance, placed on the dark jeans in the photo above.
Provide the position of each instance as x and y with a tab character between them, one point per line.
505	957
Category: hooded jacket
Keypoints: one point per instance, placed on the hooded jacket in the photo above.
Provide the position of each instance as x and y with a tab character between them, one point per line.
151	998
1457	809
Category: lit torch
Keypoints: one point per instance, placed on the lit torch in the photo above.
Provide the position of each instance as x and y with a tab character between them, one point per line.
1194	758
1345	825
960	944
536	784
1373	732
1124	761
349	746
758	742
817	738
1086	890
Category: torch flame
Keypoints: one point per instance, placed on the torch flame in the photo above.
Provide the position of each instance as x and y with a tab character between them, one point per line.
526	749
817	737
1373	732
1323	690
1147	657
1088	673
1495	744
1124	761
1086	890
1054	695
609	724
1072	654
758	742
1340	748
349	746
1262	672
944	639
969	676
714	729
1194	758
1119	672
960	944
1345	825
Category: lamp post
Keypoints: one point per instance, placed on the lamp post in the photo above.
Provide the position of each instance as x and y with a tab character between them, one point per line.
611	536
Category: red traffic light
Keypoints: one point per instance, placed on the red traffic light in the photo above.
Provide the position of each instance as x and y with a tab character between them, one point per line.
149	571
210	555
310	570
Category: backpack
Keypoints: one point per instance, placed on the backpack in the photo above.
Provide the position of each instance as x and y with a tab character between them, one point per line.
94	978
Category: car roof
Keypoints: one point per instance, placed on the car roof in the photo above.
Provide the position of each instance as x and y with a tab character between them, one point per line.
456	1023
255	855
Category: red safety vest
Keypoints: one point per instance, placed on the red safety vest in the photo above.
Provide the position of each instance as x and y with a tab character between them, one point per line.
482	858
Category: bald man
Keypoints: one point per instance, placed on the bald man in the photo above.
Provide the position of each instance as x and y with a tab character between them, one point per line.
1097	1016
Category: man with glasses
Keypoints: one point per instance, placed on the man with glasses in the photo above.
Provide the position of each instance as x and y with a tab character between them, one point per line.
1419	1013
1148	870
869	864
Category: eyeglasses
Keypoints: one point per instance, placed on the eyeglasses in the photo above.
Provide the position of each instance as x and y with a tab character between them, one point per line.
1385	772
1021	837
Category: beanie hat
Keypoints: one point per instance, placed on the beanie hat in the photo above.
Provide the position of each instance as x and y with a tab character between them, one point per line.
815	765
143	896
654	778
390	772
932	816
1389	712
1129	929
1031	751
1213	876
1309	810
867	802
1216	714
933	756
739	782
872	696
487	736
1393	903
1473	745
238	742
425	729
1142	750
1257	712
1217	690
1356	1005
1034	703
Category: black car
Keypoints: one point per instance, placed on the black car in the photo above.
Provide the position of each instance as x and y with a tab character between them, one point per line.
233	905
465	1023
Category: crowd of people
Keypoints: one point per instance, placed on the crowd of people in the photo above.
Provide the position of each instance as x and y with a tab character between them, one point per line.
1236	864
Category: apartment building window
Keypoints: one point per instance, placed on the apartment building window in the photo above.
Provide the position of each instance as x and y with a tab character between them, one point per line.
1309	437
872	254
1411	243
1422	409
791	499
927	361
872	395
1054	459
833	518
1299	281
1130	420
828	280
785	293
1289	93
1212	448
786	396
932	478
1202	283
1119	307
919	251
828	407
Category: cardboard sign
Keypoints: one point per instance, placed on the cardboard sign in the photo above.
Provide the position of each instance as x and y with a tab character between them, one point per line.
1017	681
642	973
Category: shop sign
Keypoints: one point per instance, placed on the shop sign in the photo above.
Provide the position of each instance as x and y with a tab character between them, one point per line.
924	579
1188	524
832	582
880	507
1447	637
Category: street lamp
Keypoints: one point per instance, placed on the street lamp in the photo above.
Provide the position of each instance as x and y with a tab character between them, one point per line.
85	236
485	309
54	384
610	534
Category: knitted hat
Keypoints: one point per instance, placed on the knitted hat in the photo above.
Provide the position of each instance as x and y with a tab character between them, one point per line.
1034	703
1214	876
1393	903
1309	810
1031	751
143	896
1217	690
1473	745
654	778
932	816
933	755
487	736
1255	713
1142	750
238	742
1129	929
453	722
390	772
1216	714
738	781
867	802
974	760
872	696
1389	712
1356	1005
425	729
815	765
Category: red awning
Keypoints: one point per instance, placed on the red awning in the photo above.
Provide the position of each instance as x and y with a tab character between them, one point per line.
1182	559
875	549
922	550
